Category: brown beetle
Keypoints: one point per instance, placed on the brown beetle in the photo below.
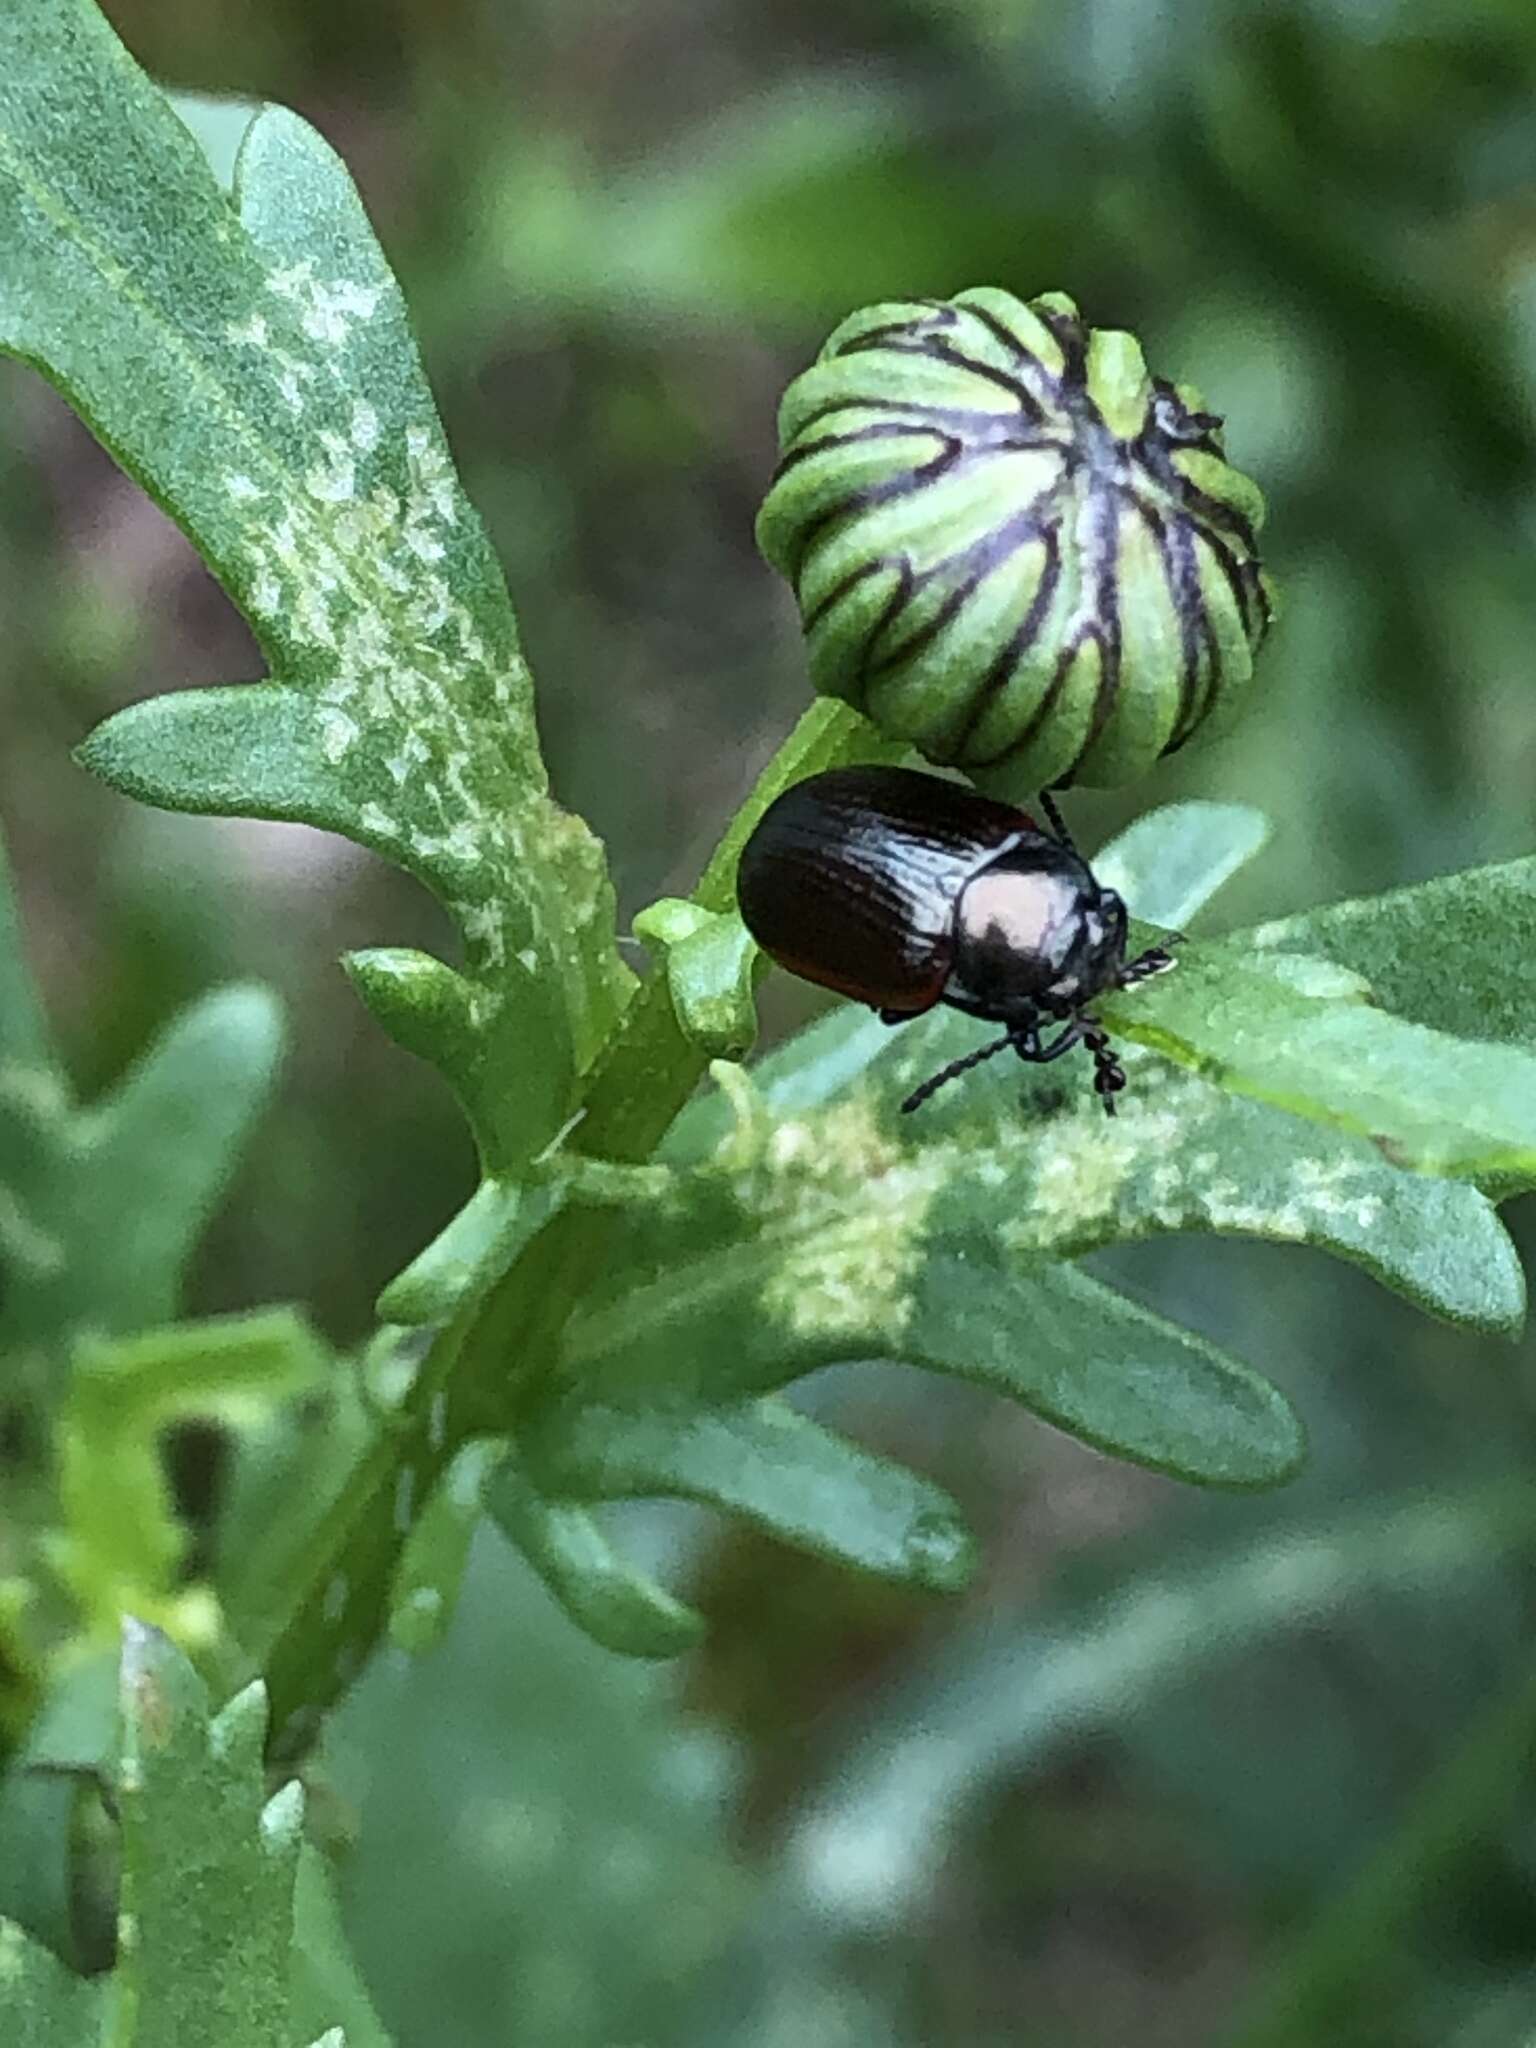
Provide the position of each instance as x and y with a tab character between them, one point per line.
905	891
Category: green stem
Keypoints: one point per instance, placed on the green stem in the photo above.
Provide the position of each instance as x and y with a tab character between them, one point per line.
649	1069
1357	1940
483	1360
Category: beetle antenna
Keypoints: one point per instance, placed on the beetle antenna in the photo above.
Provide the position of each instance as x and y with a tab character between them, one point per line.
952	1072
1058	823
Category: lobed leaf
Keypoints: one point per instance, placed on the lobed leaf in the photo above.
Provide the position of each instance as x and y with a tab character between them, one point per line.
839	1243
248	358
770	1464
708	961
206	1916
1273	1026
605	1597
1035	1160
43	2004
101	1207
246	354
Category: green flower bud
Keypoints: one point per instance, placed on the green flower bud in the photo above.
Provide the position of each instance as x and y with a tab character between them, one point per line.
1013	547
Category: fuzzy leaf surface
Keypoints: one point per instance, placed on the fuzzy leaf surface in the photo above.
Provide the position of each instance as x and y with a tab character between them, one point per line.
844	1241
208	1861
43	2004
247	357
1457	954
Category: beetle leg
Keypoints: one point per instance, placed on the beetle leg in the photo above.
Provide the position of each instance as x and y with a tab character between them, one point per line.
894	1016
1108	1074
1058	824
1038	1055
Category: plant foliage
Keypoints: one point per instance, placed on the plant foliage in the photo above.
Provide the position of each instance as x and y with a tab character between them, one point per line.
614	1327
213	1937
644	1269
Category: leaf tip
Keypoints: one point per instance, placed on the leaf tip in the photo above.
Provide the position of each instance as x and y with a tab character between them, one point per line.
939	1553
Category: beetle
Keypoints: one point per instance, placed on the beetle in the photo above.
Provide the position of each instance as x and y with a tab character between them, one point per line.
905	891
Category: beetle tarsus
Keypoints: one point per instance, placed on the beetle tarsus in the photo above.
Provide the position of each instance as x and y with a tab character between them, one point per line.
1108	1074
1156	960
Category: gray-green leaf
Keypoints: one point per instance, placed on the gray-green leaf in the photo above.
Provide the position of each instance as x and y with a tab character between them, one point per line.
248	358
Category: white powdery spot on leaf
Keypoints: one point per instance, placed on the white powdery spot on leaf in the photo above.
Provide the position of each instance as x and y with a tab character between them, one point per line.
481	926
1225	1206
432	479
412	753
248	333
426	547
334	481
1084	1168
338	735
1339	1190
365	426
311	617
265	593
327	309
462	842
852	1207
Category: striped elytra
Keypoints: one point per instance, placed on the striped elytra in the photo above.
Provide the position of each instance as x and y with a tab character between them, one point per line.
1011	546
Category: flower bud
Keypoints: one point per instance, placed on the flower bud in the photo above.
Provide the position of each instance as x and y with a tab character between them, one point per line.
1013	547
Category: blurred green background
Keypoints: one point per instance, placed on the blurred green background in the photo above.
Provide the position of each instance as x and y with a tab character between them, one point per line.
1178	1770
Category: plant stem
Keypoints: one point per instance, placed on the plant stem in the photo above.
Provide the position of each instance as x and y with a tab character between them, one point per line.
649	1069
505	1342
